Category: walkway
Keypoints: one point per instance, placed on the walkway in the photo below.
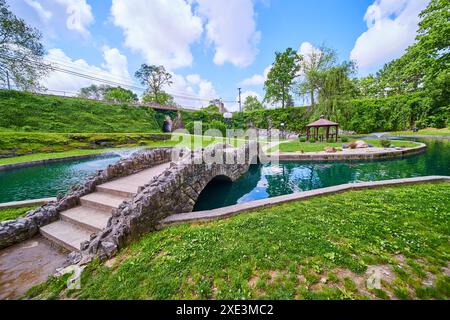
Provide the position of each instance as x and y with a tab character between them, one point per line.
77	224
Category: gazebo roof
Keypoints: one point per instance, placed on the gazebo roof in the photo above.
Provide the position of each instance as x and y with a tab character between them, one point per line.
322	122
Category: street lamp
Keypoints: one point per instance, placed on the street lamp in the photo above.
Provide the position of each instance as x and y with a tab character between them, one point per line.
282	130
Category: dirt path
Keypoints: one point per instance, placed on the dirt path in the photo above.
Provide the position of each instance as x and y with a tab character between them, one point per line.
27	264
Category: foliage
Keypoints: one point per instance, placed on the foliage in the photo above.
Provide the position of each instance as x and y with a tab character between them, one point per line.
21	51
20	111
252	103
162	98
298	250
211	108
14	213
120	95
281	76
344	139
154	78
95	92
385	143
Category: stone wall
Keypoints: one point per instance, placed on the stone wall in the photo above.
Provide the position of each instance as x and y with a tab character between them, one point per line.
175	191
18	230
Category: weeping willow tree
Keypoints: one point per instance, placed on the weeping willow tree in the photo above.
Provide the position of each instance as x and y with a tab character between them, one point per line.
335	88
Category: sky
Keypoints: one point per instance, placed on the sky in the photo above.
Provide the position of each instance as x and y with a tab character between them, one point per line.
212	47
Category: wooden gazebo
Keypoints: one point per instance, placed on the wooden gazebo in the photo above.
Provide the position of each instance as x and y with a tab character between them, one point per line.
322	123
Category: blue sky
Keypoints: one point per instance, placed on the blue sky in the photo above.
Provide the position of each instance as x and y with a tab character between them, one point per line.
212	47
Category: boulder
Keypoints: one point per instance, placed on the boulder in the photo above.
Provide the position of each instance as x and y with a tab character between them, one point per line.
330	150
361	144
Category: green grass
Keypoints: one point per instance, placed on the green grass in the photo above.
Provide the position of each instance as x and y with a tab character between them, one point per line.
14	213
426	132
314	249
20	111
42	146
297	146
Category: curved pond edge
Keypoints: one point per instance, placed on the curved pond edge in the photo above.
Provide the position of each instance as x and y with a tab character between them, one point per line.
388	153
225	212
19	165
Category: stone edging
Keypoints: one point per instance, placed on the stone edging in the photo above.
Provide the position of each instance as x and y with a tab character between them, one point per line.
53	160
420	136
387	154
221	213
25	203
20	229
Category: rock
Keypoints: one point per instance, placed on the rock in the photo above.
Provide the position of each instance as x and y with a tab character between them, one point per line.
361	144
330	150
74	257
345	146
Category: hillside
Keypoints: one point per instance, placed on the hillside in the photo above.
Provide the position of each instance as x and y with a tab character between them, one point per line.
27	112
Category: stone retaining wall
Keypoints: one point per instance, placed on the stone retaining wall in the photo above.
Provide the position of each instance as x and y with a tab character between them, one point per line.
175	191
18	230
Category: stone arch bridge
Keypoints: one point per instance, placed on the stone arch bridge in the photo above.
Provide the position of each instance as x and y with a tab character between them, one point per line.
173	191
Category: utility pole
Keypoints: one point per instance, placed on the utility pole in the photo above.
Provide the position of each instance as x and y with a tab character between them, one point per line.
7	80
240	101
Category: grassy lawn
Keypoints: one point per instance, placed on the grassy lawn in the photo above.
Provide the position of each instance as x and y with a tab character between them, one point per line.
14	213
54	143
297	146
426	132
322	248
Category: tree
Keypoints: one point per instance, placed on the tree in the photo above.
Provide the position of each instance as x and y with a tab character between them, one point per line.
312	66
211	108
120	95
21	52
162	98
96	92
252	103
154	78
280	78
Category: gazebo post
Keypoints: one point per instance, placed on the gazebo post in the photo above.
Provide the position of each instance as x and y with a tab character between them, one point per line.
337	133
328	133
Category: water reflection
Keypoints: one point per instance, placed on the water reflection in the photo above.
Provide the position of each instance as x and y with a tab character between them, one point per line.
290	177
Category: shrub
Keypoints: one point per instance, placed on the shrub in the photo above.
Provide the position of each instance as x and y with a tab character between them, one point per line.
302	139
344	139
385	143
312	140
331	140
218	125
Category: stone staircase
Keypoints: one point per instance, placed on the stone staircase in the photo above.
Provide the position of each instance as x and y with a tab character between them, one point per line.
77	224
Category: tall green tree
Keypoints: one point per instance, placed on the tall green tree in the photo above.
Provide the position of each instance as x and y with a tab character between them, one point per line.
21	52
154	78
95	92
280	78
252	103
312	66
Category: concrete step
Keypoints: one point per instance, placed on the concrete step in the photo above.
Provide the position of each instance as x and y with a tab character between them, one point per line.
102	201
92	220
65	234
121	190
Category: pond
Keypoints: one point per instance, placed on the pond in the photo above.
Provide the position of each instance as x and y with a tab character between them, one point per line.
48	180
265	181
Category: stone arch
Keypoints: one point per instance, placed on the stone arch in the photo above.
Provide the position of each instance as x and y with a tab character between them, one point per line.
220	181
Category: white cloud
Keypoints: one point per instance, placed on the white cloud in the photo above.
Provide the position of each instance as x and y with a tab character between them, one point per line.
392	26
44	14
231	27
79	15
162	31
115	68
191	91
257	79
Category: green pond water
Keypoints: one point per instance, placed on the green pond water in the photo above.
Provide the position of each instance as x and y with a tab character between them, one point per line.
262	181
265	181
48	180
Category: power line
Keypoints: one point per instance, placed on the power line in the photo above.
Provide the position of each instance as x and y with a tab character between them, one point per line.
55	67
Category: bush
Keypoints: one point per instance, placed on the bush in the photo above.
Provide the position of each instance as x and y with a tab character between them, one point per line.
331	140
218	125
344	139
385	143
312	140
302	139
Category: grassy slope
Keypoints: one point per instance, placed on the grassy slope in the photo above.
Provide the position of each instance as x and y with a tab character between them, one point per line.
13	213
28	112
426	132
297	146
314	249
